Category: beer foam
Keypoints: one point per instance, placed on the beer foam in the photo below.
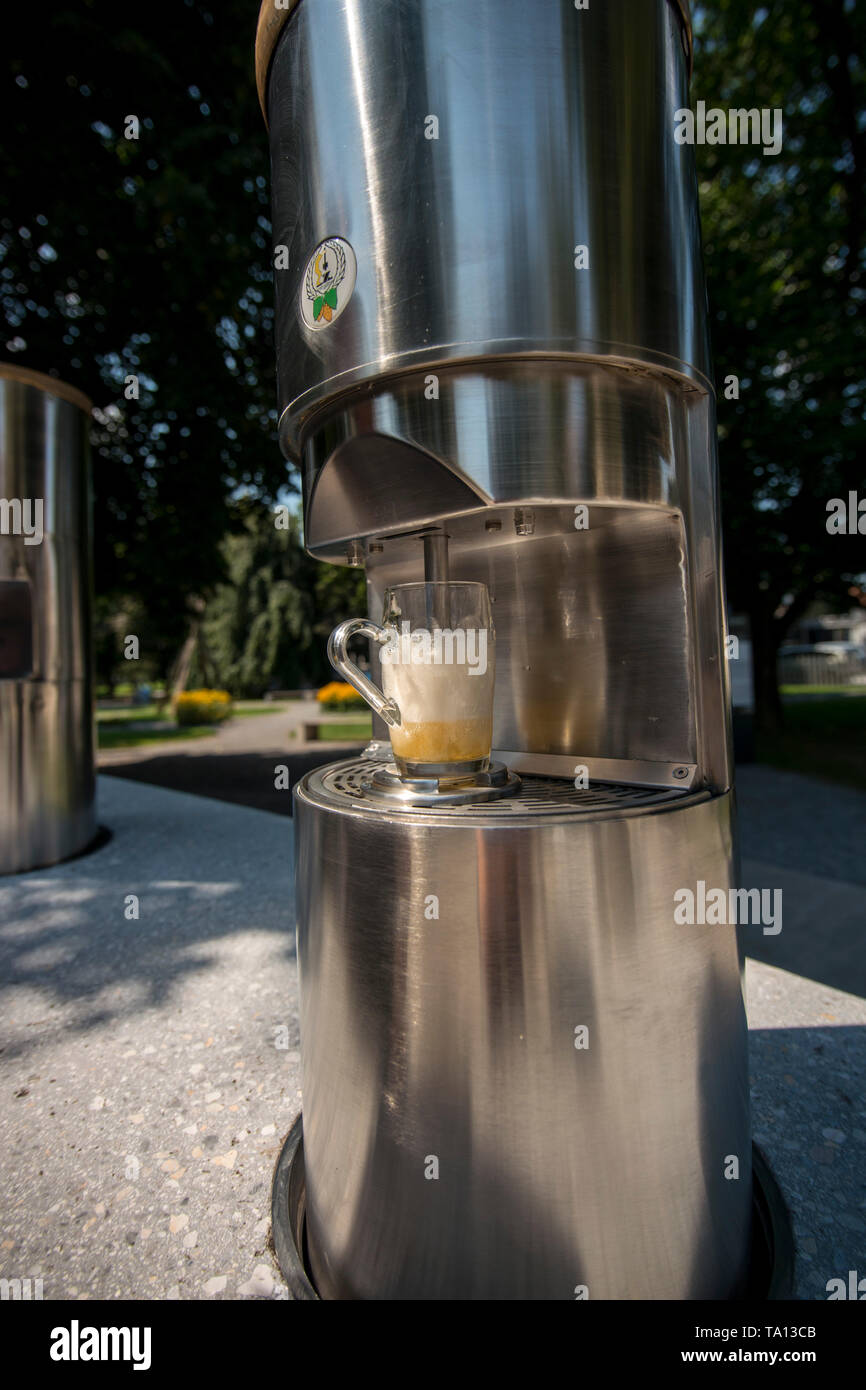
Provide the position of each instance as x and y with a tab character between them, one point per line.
441	693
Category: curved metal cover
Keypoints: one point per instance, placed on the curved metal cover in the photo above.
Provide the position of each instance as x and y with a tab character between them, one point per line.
11	371
374	482
272	21
268	31
549	215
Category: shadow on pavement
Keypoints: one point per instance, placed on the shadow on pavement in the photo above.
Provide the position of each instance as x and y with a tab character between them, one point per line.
247	779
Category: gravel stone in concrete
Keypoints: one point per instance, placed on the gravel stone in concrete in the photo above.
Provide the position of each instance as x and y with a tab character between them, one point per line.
142	1097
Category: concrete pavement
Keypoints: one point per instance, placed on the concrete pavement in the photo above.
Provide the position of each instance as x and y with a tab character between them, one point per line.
150	1066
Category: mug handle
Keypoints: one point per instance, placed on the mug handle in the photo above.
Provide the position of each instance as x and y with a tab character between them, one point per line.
344	666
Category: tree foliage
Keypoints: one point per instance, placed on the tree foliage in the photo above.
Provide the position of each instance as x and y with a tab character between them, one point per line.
784	252
146	257
267	627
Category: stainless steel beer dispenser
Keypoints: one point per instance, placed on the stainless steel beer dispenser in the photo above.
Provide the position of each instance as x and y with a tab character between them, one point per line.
47	764
523	1077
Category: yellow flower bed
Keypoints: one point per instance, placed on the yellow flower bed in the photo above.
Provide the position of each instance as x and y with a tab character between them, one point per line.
202	706
339	695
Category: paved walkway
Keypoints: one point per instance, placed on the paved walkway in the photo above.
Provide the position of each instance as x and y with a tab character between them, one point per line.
807	838
802	824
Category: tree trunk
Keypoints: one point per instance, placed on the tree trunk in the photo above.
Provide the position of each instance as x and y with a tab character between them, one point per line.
766	637
181	669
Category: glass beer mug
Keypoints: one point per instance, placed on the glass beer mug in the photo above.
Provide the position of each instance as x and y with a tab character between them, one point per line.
437	655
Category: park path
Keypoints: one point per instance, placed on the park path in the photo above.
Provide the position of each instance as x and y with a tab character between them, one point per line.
244	734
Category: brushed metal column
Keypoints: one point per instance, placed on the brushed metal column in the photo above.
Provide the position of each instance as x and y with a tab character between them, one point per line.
47	777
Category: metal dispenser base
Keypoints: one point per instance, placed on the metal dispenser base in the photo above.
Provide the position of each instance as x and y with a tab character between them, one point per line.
520	1071
771	1269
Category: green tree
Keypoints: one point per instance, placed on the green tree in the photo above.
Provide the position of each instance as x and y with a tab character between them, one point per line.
267	627
784	252
148	257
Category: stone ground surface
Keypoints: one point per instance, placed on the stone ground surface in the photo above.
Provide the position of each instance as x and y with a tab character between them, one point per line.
149	1068
807	1069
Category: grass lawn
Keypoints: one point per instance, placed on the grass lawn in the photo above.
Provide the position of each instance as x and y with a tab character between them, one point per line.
127	728
135	713
346	733
824	736
259	707
823	689
140	713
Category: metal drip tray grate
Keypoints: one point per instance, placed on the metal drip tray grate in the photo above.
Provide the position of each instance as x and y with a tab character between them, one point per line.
343	783
541	793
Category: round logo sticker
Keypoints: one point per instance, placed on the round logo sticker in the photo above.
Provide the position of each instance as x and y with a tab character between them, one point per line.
328	282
